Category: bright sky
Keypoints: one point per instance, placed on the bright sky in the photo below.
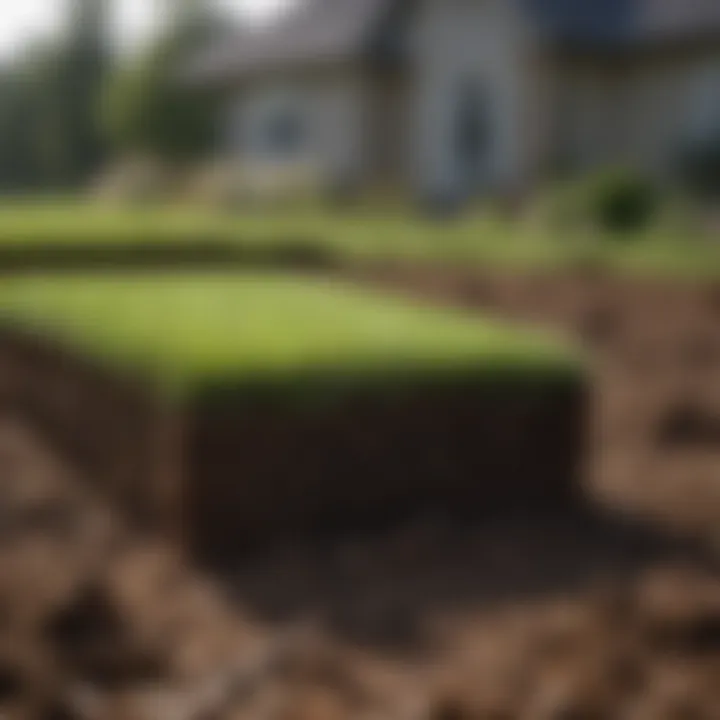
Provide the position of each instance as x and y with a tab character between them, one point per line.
24	20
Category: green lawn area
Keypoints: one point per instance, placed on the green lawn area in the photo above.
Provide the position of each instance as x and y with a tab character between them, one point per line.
476	238
195	332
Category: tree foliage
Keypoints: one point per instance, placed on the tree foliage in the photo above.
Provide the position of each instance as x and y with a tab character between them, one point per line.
48	99
82	75
149	109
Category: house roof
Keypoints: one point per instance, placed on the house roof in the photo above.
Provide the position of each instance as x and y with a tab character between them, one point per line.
321	30
623	23
316	30
668	19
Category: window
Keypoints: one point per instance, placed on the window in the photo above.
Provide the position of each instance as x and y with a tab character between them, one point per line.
284	132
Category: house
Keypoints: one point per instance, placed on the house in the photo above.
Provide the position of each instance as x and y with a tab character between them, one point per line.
461	96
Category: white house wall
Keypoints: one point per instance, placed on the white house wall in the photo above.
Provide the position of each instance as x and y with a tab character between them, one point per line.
674	101
451	42
332	109
638	112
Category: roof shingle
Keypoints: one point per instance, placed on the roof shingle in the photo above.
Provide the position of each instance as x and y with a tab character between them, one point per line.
321	30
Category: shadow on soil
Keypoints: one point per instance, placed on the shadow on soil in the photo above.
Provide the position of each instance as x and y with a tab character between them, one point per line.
393	592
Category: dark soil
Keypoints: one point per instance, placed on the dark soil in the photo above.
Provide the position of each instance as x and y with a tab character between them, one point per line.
222	474
371	460
655	352
537	616
534	617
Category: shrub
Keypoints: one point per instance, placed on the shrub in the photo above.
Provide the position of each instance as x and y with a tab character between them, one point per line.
134	181
616	200
218	185
293	182
621	201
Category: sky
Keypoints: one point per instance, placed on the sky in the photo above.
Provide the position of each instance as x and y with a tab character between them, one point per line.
134	20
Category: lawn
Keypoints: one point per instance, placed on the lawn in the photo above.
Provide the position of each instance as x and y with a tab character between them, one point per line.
191	332
478	239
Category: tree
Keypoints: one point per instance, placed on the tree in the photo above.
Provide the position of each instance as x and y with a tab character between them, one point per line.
48	100
149	109
29	115
82	74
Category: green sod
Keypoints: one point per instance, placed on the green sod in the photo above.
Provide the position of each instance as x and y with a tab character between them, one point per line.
475	239
191	332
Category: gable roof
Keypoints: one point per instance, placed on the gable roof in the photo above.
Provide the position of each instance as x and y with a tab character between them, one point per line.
317	30
322	30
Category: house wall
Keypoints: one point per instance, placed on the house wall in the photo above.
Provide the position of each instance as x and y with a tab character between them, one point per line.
331	110
544	111
487	43
638	110
675	99
389	145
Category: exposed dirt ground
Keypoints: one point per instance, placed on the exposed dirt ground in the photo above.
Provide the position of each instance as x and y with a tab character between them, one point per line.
534	617
655	351
373	460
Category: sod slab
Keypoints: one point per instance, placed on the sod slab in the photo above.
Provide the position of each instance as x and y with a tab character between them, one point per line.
231	408
192	332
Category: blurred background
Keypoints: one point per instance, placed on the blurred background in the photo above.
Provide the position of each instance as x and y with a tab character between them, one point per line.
550	166
351	100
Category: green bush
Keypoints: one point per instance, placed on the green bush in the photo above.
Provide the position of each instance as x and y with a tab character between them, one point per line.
621	201
150	109
615	201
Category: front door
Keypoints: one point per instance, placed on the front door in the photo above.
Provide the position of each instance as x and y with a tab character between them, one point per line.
471	139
